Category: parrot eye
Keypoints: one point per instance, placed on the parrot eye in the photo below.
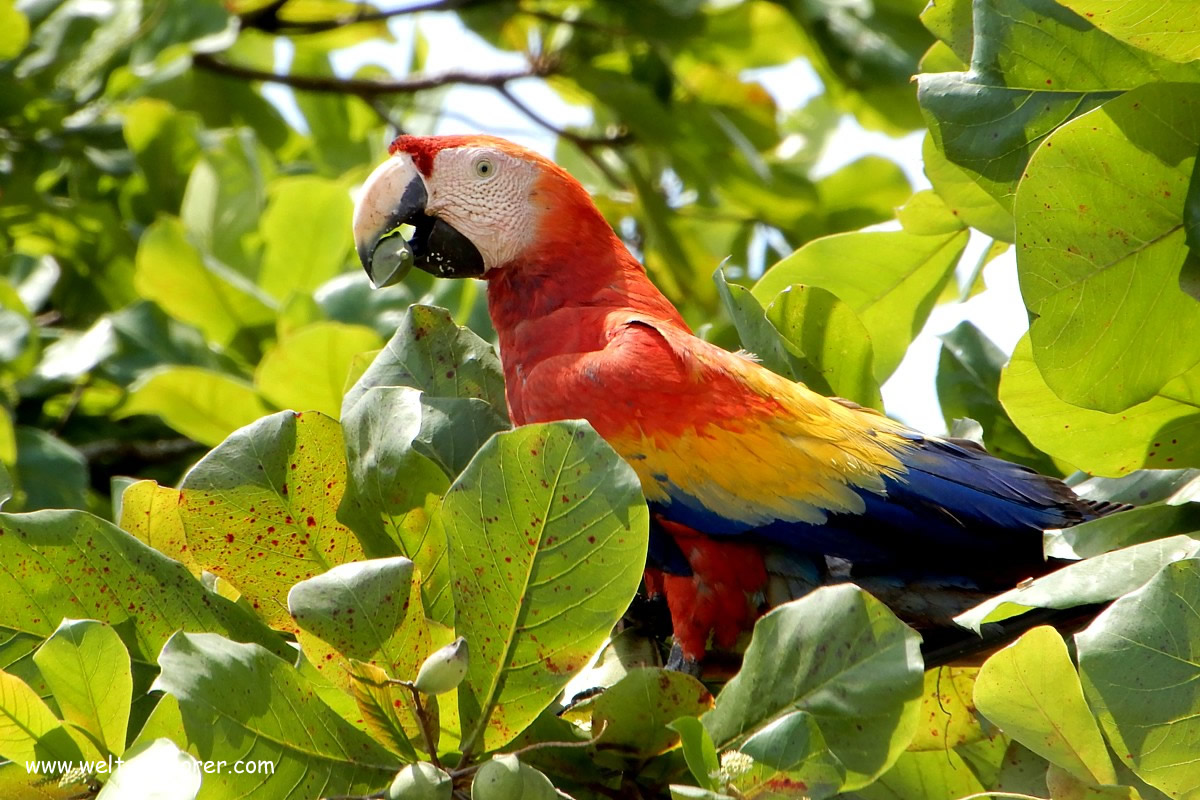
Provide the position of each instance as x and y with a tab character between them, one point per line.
484	168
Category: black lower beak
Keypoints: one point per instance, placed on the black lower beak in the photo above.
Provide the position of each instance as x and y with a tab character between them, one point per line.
433	245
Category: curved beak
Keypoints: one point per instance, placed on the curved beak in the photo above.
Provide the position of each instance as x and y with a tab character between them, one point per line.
393	231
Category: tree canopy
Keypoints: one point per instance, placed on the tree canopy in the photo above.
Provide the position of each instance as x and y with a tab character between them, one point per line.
220	449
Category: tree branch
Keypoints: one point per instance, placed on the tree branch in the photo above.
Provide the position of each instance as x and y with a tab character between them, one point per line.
267	18
368	89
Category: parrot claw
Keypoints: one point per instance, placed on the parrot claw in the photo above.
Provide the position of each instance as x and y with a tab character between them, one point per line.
678	662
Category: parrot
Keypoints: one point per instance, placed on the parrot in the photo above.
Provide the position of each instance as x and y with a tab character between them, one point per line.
757	486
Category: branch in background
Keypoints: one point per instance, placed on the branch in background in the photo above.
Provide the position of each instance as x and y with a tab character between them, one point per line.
267	19
367	89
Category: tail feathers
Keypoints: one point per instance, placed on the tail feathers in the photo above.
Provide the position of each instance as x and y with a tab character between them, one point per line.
958	478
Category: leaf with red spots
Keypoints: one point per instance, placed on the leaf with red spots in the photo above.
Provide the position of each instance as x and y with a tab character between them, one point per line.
538	583
948	717
260	509
635	711
389	486
240	703
843	659
429	352
383	707
151	513
64	563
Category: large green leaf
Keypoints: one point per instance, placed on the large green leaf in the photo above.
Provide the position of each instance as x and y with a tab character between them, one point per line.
968	384
238	702
260	509
307	369
890	279
151	514
172	273
1100	244
842	659
202	404
391	483
1031	691
1095	580
431	353
58	564
1139	669
1161	433
1034	66
1168	28
87	668
548	533
1143	524
965	197
814	323
25	721
306	234
635	711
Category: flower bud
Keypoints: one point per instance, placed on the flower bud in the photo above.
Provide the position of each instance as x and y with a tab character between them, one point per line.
499	779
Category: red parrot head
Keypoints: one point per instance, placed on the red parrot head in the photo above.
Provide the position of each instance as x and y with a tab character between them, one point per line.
465	206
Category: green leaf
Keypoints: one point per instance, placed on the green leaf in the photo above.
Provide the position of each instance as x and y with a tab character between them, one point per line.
307	369
362	609
839	656
1121	530
50	472
24	720
968	384
86	666
172	273
159	770
635	711
787	754
893	287
548	532
1031	691
814	323
1099	261
239	702
165	144
1096	580
260	509
966	198
224	199
762	338
61	562
1034	66
431	353
6	485
1167	28
1139	672
306	234
1159	433
202	404
14	30
391	483
698	750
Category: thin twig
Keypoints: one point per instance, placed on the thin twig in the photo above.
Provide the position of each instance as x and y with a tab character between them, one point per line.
267	18
538	746
579	139
367	89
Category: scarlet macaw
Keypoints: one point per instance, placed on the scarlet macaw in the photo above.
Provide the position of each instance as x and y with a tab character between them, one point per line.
739	465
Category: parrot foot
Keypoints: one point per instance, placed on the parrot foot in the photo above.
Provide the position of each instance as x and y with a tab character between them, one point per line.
678	662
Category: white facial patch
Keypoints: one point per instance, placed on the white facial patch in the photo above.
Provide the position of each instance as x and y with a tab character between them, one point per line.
485	195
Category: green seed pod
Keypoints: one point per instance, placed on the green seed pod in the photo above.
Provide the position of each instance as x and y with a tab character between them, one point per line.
535	785
391	261
499	779
444	669
421	781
